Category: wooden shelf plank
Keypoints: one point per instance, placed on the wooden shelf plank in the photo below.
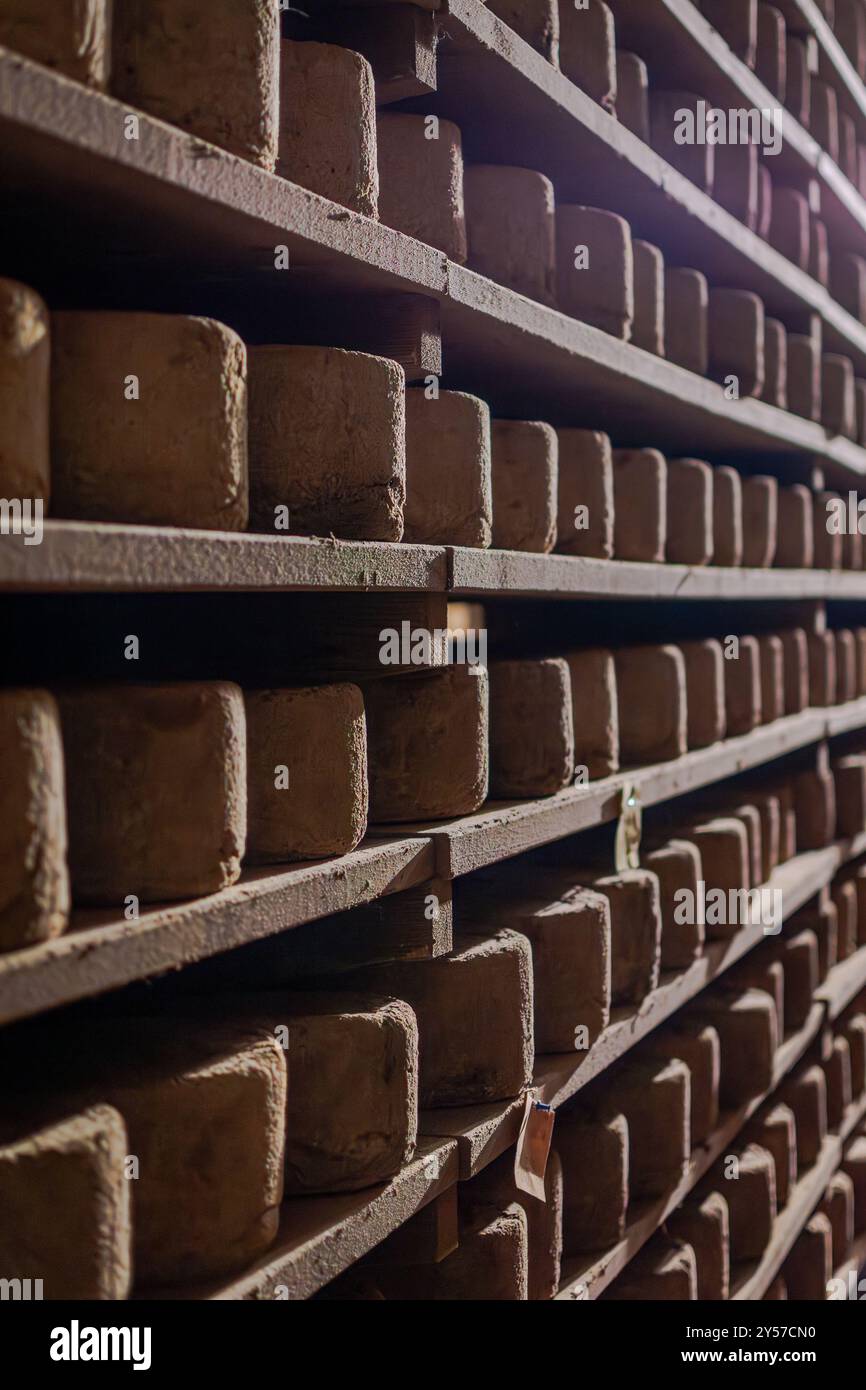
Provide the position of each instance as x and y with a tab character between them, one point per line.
501	830
510	572
81	556
843	984
102	951
751	1283
65	155
87	556
482	1132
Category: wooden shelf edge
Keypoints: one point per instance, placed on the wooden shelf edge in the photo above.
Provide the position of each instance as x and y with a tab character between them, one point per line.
104	952
87	557
82	556
482	1132
94	959
522	574
501	830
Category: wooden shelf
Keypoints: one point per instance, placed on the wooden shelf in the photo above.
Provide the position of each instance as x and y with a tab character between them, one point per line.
211	223
676	39
845	980
320	1237
588	1277
167	221
102	951
89	557
85	556
514	573
485	69
752	1282
503	829
482	1132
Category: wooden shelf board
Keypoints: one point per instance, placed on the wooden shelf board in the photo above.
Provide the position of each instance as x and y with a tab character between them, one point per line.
843	984
501	830
84	556
482	1132
495	572
103	952
81	556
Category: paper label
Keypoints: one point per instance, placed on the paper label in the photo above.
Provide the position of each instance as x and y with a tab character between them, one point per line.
628	830
533	1146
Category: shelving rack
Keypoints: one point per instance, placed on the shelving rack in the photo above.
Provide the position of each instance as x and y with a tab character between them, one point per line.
168	206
